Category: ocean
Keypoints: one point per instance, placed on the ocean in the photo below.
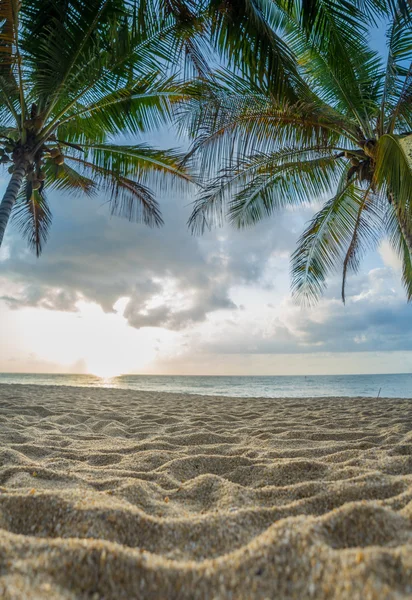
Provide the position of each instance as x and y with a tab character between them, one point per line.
389	386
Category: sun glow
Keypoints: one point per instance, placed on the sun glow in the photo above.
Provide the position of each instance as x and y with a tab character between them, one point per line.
105	372
89	340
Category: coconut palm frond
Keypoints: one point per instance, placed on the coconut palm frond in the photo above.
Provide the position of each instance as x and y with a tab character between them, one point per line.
263	184
128	198
332	26
33	217
347	101
66	179
138	108
11	90
324	243
322	12
243	35
395	89
401	120
233	124
190	41
406	268
401	112
397	238
59	36
351	86
7	33
393	172
276	185
105	76
338	65
140	161
367	231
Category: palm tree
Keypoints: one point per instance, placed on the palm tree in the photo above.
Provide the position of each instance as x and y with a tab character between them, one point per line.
73	76
348	137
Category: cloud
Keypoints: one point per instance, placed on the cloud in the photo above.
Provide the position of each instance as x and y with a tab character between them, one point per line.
389	256
171	278
166	315
225	293
375	317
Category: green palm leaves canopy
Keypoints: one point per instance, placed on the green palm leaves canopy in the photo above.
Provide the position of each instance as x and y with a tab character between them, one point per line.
73	76
347	141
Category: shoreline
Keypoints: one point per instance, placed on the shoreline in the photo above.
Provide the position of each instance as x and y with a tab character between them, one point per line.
206	395
116	494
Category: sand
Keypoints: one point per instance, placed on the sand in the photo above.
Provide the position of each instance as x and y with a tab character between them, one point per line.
112	494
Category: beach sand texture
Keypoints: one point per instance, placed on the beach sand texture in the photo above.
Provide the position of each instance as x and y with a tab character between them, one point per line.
112	494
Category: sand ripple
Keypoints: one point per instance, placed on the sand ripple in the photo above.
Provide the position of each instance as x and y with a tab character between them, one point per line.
112	494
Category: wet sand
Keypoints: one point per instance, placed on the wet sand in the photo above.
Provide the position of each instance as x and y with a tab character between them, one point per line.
115	494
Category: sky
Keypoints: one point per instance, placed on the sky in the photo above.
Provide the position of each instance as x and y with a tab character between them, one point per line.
111	297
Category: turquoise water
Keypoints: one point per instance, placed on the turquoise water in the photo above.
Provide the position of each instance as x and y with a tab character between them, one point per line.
389	386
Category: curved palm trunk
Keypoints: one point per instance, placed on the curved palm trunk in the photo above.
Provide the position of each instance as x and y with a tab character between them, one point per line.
10	197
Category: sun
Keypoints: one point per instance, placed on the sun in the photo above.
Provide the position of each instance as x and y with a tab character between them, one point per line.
104	371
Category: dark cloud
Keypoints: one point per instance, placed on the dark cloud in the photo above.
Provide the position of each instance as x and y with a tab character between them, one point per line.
205	302
101	259
176	281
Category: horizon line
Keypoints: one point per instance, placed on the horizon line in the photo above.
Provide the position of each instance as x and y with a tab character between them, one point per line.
199	375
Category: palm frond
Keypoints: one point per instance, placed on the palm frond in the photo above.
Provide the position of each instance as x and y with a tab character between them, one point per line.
393	172
324	244
127	198
243	34
236	120
262	184
9	87
32	216
105	78
58	35
395	90
276	186
140	160
136	108
399	243
366	233
66	179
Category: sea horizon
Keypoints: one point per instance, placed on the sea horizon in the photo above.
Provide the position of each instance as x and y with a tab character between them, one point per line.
389	385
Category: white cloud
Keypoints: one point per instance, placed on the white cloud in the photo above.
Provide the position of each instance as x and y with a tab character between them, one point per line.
389	256
220	302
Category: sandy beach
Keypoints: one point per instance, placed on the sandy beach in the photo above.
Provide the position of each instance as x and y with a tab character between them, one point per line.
111	494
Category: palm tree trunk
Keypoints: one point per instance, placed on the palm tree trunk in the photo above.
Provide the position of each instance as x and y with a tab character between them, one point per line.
10	197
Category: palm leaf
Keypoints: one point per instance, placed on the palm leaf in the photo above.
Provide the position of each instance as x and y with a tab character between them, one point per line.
323	245
58	36
396	92
278	185
66	179
367	231
32	216
9	88
127	198
398	239
242	33
236	119
263	184
393	172
143	106
140	161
